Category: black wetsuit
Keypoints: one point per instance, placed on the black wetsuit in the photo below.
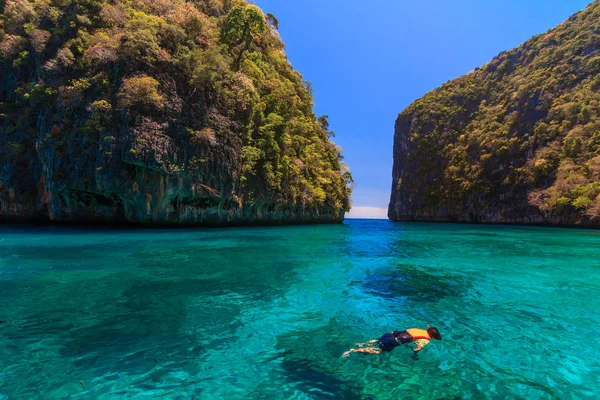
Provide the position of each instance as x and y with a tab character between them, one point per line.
390	340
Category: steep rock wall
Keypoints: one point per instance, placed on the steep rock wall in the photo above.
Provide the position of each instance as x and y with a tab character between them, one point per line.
159	112
515	141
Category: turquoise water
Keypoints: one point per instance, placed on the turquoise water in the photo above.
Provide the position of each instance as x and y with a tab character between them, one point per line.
265	313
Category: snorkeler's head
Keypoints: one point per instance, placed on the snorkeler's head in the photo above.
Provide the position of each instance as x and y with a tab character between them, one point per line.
434	333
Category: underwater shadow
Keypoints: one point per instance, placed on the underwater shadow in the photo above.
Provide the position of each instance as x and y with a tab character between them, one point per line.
414	283
310	363
311	379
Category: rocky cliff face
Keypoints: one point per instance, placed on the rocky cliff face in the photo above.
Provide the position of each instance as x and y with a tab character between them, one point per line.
105	184
515	141
413	200
158	112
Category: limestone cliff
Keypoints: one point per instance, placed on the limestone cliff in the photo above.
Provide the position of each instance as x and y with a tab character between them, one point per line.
515	141
158	112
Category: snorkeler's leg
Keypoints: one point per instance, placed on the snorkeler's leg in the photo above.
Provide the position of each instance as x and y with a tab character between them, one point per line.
370	343
353	350
366	350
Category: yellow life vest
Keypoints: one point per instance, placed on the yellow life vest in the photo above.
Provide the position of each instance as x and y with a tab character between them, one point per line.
418	333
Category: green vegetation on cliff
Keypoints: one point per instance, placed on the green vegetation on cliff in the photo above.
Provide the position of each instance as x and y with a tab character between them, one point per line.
521	134
98	95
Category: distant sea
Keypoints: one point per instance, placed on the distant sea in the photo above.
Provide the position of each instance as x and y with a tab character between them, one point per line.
265	313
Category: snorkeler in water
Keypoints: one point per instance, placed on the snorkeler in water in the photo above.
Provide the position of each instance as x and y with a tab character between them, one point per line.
389	341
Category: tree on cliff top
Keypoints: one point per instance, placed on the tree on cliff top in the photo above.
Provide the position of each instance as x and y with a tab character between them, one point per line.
243	25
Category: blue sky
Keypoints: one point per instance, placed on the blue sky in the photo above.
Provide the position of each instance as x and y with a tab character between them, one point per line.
368	60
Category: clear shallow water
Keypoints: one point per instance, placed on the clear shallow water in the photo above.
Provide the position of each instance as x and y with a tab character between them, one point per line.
265	313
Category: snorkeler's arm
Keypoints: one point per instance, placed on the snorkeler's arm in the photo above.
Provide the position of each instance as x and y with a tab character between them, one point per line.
420	344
